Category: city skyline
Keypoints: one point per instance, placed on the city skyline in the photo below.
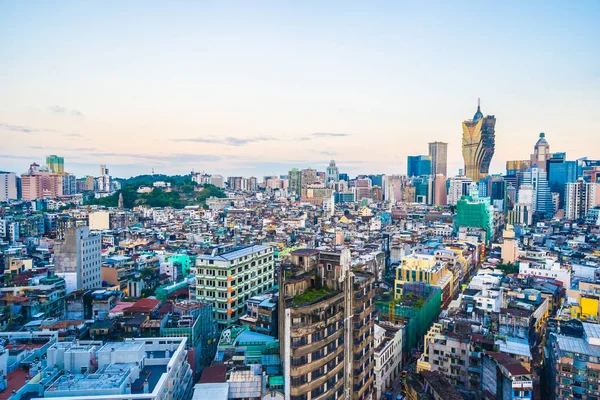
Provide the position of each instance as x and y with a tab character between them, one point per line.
230	98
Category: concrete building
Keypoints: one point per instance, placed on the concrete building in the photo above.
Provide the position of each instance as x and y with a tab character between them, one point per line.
580	198
510	246
333	172
149	369
388	357
536	178
440	197
39	185
326	327
228	276
427	269
99	220
478	144
295	182
438	151
458	187
8	186
77	259
55	164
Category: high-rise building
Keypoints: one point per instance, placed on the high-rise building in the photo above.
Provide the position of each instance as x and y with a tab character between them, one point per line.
55	164
476	212
8	186
478	143
229	276
438	151
423	189
333	173
104	179
344	177
295	182
580	197
39	185
439	190
392	188
542	199
77	259
309	176
362	189
560	172
513	167
541	153
69	184
458	187
326	325
418	165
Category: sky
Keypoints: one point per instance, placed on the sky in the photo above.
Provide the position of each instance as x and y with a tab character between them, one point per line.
258	87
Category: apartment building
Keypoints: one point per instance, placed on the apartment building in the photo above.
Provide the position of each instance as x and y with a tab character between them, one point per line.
327	327
228	276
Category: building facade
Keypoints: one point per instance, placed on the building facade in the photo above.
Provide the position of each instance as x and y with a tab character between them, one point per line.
438	151
77	259
478	144
8	186
228	276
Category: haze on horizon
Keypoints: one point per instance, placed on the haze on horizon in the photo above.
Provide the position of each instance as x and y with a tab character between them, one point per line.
255	88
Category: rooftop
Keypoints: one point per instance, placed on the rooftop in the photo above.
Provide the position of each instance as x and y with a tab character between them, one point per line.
234	253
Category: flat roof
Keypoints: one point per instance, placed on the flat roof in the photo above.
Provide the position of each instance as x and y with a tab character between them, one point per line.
211	391
235	253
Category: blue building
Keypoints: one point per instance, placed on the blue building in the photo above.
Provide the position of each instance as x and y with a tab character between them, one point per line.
418	165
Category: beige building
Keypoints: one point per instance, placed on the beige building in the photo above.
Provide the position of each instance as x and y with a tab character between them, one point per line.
99	220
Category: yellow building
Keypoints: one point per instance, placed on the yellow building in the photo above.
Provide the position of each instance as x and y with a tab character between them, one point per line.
424	268
585	301
478	145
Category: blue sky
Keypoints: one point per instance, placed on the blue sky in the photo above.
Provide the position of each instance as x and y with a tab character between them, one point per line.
254	88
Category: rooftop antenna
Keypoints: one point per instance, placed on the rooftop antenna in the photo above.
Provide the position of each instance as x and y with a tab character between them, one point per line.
478	103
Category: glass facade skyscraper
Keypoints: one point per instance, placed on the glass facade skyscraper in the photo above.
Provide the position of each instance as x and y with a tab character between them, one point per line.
419	165
561	172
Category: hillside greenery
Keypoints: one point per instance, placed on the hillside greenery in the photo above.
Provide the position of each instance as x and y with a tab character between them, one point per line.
183	193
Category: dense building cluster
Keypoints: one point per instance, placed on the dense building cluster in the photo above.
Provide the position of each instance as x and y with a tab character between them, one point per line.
312	285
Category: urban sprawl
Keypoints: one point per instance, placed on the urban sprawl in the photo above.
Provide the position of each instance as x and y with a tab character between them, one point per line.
312	285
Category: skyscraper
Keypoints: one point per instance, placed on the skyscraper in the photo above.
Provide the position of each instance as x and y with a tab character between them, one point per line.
8	186
478	143
541	153
77	259
55	164
333	173
418	165
438	151
580	197
295	182
542	200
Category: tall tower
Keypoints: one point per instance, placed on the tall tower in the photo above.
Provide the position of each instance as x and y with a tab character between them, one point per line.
541	153
478	143
333	173
438	151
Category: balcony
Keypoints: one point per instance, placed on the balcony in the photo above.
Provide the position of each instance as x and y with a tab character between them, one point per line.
314	383
314	365
311	347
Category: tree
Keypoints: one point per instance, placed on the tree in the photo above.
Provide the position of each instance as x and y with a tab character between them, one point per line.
508	269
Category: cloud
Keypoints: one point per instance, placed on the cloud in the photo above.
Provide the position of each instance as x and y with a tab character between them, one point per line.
15	157
18	128
229	141
330	134
56	109
328	153
165	158
73	135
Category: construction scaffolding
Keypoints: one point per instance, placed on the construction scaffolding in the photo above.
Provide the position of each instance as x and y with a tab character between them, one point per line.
418	308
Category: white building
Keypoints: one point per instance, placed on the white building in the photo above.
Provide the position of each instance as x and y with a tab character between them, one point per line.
548	269
230	275
99	220
388	357
580	197
148	369
459	186
77	259
8	186
489	300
